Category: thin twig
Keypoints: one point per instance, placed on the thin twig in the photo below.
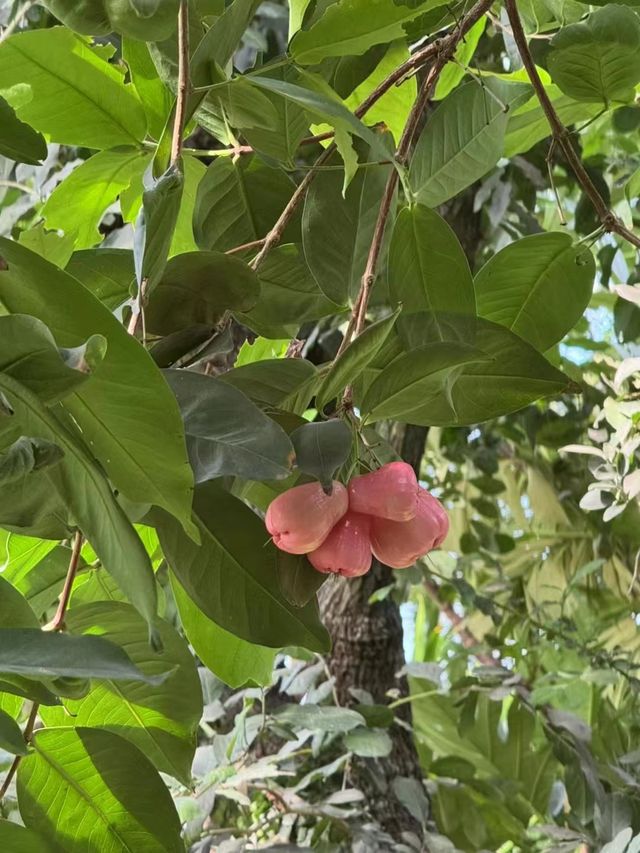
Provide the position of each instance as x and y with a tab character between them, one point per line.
22	11
183	81
561	135
27	734
245	247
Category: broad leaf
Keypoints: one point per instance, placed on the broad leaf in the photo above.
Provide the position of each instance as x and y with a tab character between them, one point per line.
53	246
275	381
598	60
321	448
298	580
428	270
156	223
368	743
455	70
140	19
40	583
156	98
127	413
232	576
320	718
238	203
25	456
81	485
93	106
197	288
232	660
18	141
289	295
17	839
77	205
350	364
538	287
463	139
160	719
89	789
11	739
290	124
107	273
226	433
337	231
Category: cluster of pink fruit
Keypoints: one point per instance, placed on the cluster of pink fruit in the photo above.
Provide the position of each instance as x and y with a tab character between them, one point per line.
385	514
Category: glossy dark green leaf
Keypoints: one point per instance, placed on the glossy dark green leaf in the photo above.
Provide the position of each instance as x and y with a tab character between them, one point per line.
19	141
287	128
17	839
126	412
238	203
197	288
321	448
428	270
93	105
274	381
289	295
108	273
231	659
232	575
30	355
226	433
598	59
11	739
160	718
297	578
91	790
538	286
156	224
463	139
337	231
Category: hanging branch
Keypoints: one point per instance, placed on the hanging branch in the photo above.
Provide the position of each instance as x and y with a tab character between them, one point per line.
561	135
56	624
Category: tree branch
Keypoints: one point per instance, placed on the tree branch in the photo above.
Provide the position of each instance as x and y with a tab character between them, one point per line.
561	135
183	81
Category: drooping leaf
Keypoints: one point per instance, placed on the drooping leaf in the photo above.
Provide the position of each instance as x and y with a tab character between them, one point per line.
538	287
197	288
463	139
337	231
156	223
160	719
19	141
76	97
239	203
155	96
107	273
232	575
89	789
598	60
428	270
126	412
274	381
321	448
77	204
231	659
223	36
297	578
25	456
11	739
289	295
226	433
350	364
290	125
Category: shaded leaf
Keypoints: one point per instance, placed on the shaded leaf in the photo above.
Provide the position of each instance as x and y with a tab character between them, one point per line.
25	456
272	382
156	223
11	739
17	839
368	743
321	448
19	141
297	579
108	273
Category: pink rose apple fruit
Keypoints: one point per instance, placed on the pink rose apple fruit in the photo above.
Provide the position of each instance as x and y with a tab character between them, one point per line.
347	549
300	519
400	543
390	492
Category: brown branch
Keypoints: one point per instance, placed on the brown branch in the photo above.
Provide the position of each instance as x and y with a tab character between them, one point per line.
28	732
561	134
245	247
183	81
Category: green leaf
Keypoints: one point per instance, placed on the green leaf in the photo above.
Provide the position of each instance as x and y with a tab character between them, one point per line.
107	273
140	19
368	743
598	60
238	203
160	719
156	223
45	654
232	660
17	839
273	382
289	295
232	575
126	412
197	288
51	245
90	790
183	238
428	269
11	739
321	448
297	579
320	718
21	553
29	354
417	378
15	611
226	433
512	376
281	139
85	492
463	139
538	287
337	231
40	583
223	36
155	97
24	456
93	106
350	364
19	141
353	26
77	204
